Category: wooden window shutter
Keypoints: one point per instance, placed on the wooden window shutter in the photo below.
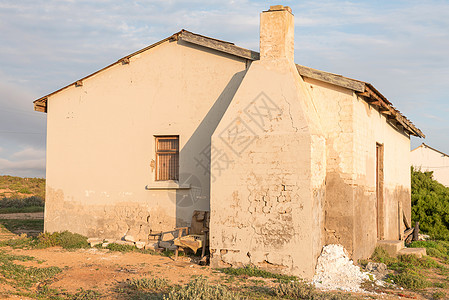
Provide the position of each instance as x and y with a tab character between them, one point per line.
167	158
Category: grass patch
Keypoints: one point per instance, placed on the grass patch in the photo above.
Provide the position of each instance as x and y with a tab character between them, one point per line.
120	247
253	271
200	288
22	276
411	271
35	186
65	239
27	209
438	249
303	290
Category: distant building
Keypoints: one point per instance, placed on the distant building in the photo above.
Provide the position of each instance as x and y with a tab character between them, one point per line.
427	158
286	158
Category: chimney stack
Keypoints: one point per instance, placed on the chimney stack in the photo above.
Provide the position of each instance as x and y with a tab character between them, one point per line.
277	33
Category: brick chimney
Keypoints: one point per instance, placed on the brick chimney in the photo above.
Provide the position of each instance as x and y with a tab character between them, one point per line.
277	33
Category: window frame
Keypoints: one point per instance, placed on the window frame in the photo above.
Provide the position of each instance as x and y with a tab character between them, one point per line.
158	152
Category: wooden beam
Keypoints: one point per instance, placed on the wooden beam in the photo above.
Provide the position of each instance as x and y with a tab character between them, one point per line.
399	118
218	45
334	79
364	94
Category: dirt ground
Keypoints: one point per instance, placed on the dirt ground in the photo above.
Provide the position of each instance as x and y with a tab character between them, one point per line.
106	271
23	216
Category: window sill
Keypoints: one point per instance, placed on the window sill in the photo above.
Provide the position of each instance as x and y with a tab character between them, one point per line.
167	185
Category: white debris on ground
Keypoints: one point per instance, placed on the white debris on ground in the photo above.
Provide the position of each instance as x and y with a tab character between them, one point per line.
335	271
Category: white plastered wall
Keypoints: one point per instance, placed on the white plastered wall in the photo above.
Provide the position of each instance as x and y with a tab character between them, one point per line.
100	142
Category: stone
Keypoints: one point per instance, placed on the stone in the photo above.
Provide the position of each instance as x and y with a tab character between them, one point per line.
90	240
93	244
104	245
129	238
151	246
94	241
120	242
376	267
140	245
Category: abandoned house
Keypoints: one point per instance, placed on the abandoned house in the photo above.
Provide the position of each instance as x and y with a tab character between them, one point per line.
428	159
286	158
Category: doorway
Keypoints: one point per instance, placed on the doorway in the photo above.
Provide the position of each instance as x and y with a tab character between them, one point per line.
380	190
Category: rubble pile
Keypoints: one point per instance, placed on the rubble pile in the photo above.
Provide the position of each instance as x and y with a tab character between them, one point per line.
335	271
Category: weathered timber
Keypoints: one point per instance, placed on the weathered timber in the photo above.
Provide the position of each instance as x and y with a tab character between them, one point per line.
218	45
338	80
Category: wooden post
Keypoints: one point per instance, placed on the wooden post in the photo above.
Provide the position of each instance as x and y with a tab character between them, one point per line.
416	232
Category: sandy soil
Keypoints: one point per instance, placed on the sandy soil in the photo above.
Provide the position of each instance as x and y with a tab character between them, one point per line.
103	271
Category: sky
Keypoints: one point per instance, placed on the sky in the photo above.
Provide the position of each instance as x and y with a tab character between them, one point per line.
400	47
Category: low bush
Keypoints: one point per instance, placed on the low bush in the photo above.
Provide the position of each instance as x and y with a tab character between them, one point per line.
303	290
430	205
149	284
21	275
120	247
22	202
65	239
253	271
410	280
199	288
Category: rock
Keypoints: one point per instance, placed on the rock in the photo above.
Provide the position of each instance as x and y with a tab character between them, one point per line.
104	245
140	245
90	240
94	241
376	267
335	270
152	246
93	244
120	242
129	238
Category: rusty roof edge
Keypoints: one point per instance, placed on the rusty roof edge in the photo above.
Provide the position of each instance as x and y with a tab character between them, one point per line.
358	86
403	119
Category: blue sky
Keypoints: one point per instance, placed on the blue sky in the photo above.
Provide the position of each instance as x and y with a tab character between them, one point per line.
401	47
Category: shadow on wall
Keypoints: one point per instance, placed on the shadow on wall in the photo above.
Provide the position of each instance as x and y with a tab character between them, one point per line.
195	158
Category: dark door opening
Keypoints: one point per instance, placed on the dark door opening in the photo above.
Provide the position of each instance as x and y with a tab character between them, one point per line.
380	190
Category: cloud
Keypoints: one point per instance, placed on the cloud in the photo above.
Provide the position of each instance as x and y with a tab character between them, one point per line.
29	153
400	47
23	168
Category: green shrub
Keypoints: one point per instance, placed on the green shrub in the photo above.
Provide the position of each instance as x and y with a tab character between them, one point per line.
303	290
148	284
24	190
65	239
439	295
381	255
22	202
82	294
199	289
253	271
410	279
120	247
438	249
430	205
